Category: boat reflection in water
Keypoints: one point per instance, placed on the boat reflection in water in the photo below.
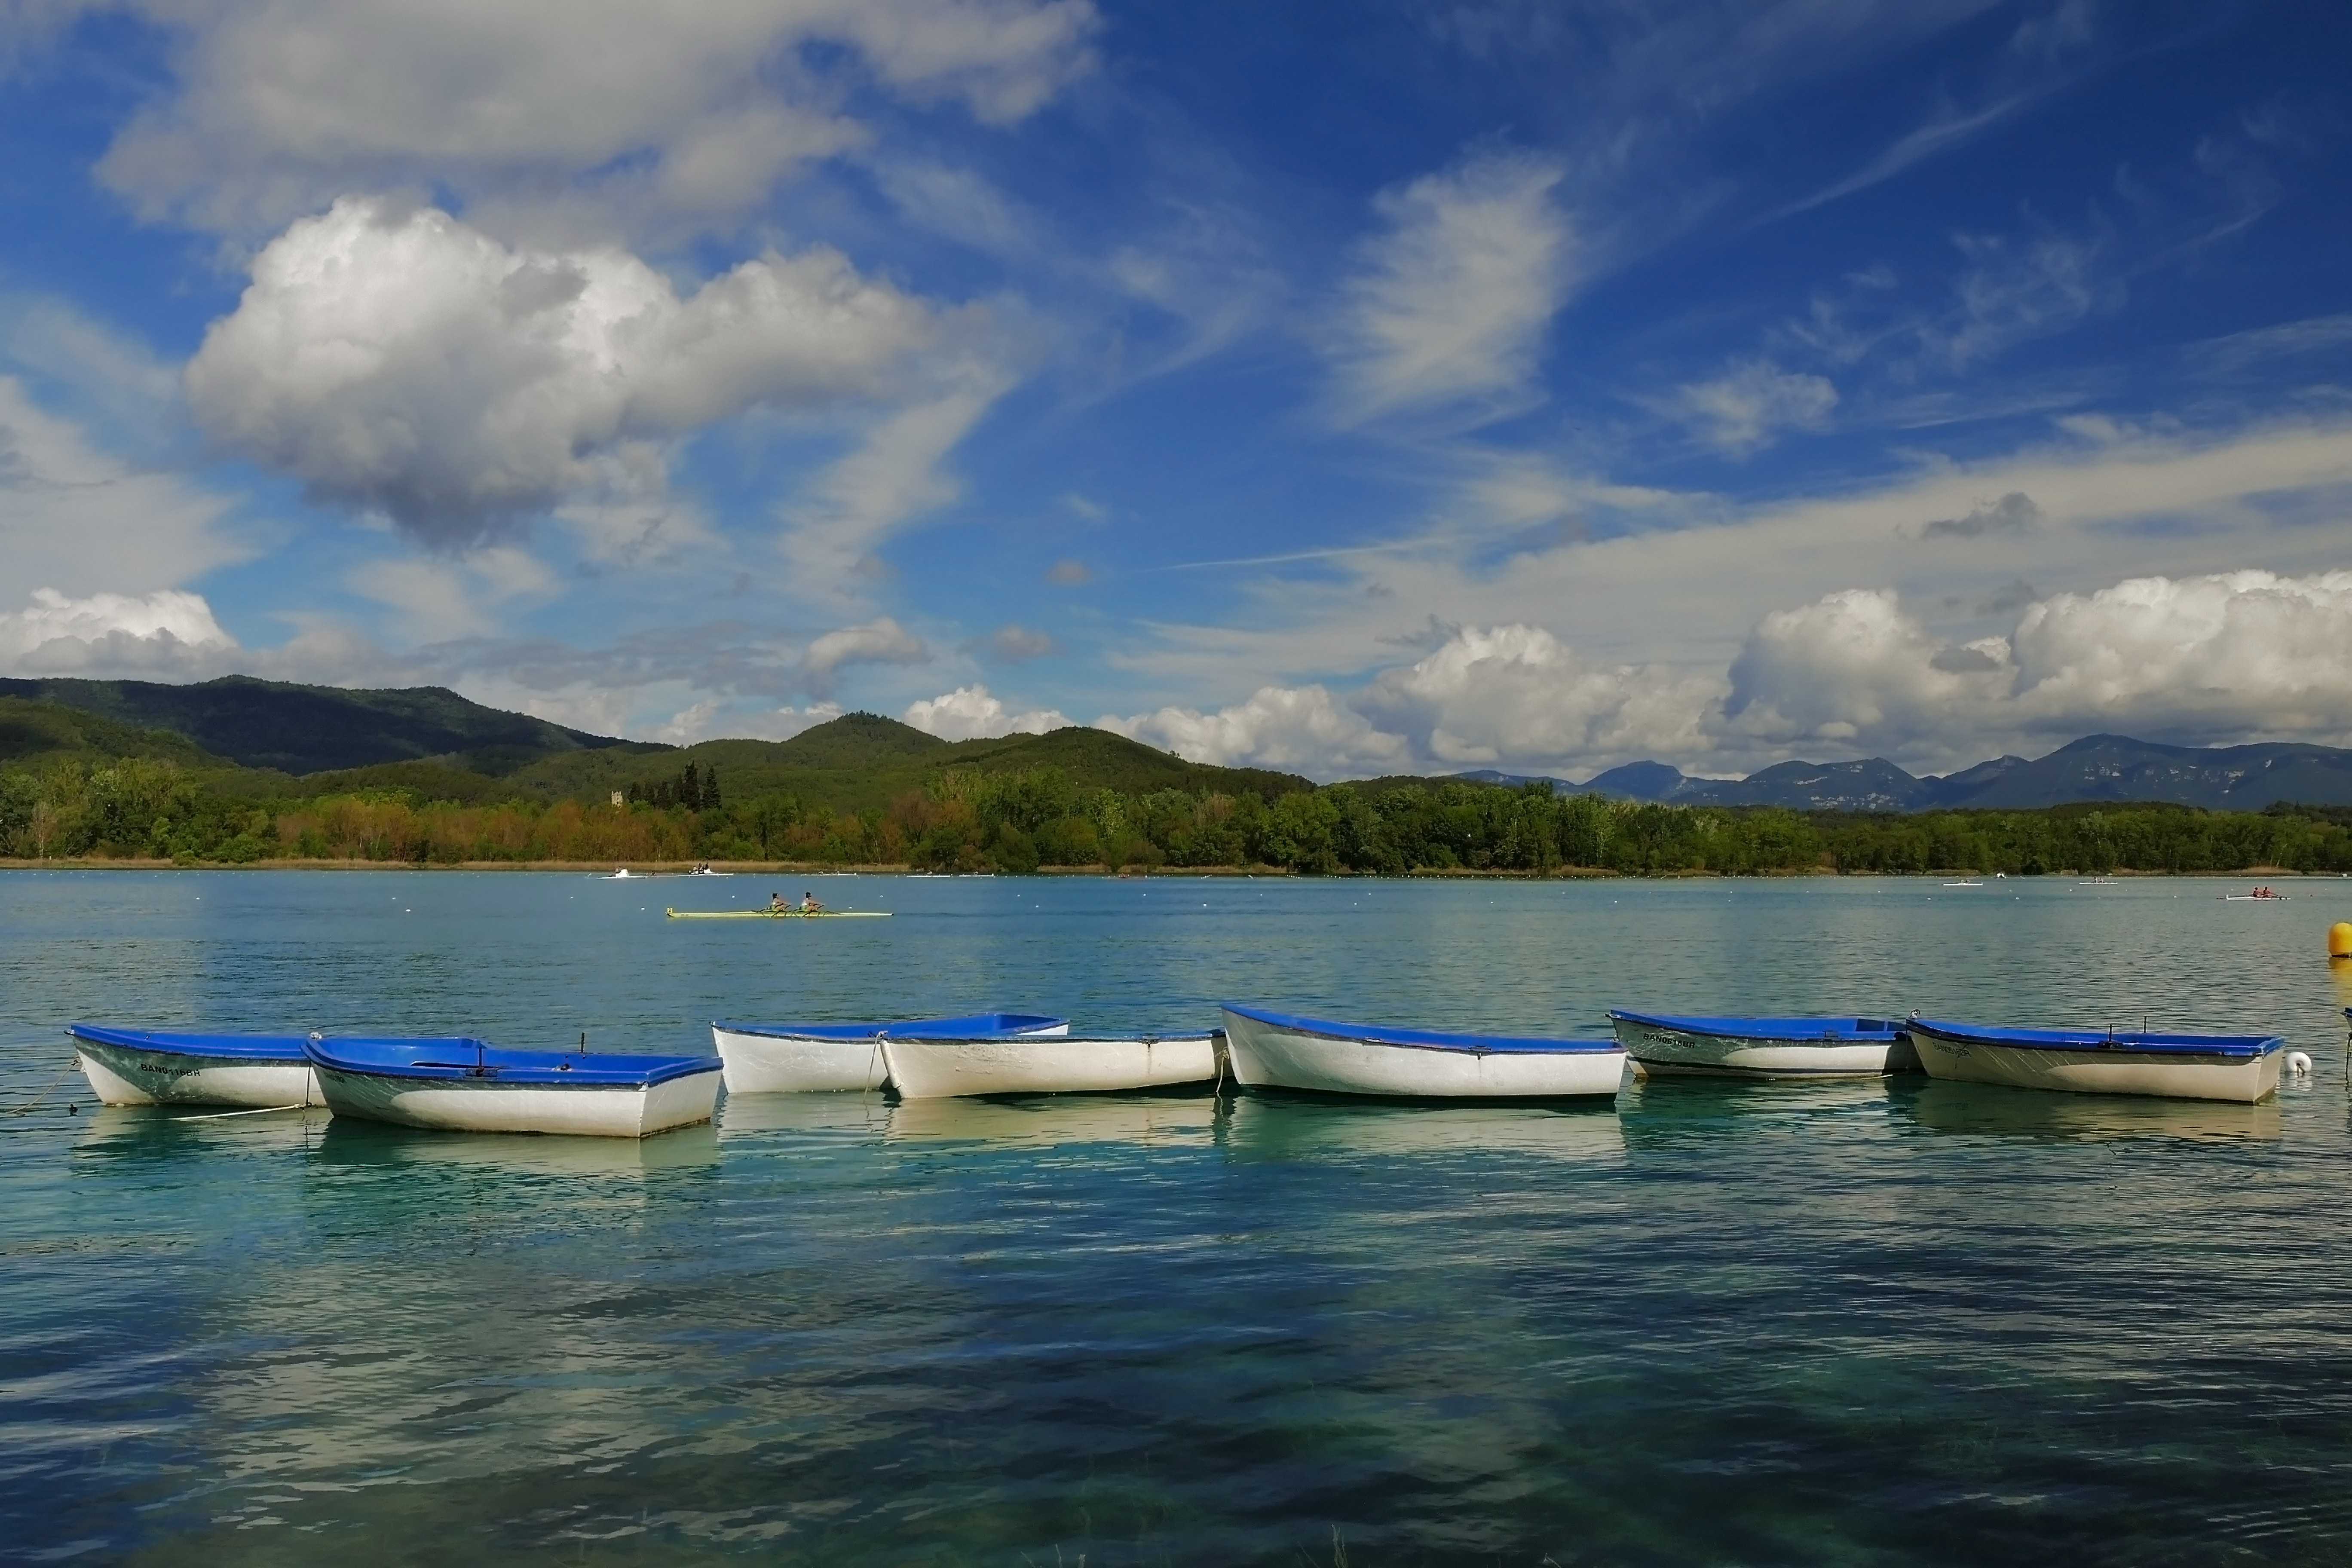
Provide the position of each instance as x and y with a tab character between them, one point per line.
1159	1120
1298	1127
1997	1110
178	1133
365	1146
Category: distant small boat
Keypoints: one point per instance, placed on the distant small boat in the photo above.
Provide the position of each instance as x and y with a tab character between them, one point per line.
1763	1048
794	915
156	1067
2239	1068
937	1068
833	1058
622	874
1964	884
1285	1051
2254	897
465	1085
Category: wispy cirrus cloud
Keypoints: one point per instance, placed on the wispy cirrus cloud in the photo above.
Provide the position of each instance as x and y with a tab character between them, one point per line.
600	118
1447	311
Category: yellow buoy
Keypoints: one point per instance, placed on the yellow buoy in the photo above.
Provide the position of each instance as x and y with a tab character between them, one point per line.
2339	940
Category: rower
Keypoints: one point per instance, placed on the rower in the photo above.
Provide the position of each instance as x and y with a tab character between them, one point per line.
809	906
775	903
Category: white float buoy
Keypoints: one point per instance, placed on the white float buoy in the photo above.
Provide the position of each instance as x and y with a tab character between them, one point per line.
2299	1063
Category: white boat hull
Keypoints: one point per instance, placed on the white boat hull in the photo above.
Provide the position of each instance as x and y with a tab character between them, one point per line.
486	1105
1265	1056
773	1064
1658	1050
118	1075
792	1064
1036	1064
2168	1074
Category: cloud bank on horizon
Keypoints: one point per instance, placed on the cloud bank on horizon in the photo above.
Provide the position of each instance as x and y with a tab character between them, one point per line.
1553	387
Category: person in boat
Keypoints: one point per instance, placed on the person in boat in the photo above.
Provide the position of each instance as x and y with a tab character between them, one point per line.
809	906
775	903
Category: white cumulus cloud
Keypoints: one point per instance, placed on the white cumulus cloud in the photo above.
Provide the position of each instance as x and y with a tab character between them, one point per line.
2216	660
1449	307
1854	669
2233	654
402	362
1517	695
970	714
168	633
1298	729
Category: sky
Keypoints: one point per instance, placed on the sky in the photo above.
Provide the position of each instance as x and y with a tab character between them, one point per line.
1348	388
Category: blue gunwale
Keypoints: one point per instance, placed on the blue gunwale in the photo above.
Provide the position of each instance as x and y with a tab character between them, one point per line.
1870	1031
287	1048
971	1027
1429	1039
2142	1042
454	1058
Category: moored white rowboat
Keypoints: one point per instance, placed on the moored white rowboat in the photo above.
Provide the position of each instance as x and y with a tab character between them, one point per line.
1763	1048
468	1086
1285	1051
822	1058
2239	1068
936	1069
157	1067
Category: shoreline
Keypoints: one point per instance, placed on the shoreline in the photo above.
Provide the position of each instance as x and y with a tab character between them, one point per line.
678	871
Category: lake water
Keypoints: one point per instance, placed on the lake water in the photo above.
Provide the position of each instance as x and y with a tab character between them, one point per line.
1863	1323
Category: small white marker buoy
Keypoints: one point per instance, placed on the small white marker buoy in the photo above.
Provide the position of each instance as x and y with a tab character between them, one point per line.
2299	1063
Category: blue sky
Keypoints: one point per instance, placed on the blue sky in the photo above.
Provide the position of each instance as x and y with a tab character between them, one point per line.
1349	388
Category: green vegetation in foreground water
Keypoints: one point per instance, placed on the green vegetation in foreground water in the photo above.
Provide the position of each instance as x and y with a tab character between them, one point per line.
866	791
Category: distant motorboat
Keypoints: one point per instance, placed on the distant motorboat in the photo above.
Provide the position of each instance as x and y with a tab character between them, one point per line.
158	1066
941	1068
1763	1048
833	1058
2178	1066
465	1085
1285	1050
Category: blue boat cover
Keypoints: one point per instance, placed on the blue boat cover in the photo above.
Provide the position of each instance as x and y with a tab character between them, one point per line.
2103	1040
1427	1039
457	1058
973	1026
173	1043
1872	1031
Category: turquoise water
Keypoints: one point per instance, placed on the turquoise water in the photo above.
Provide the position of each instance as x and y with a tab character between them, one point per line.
1863	1323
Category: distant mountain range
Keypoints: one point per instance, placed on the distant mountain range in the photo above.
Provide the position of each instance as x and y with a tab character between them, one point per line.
432	741
2094	768
267	739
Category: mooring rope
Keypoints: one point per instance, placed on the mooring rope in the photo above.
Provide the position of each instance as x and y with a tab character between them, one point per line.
34	1103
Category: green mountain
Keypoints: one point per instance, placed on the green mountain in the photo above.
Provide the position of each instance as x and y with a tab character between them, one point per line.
304	730
862	760
39	732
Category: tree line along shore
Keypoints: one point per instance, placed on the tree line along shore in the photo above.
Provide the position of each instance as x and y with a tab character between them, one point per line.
138	810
